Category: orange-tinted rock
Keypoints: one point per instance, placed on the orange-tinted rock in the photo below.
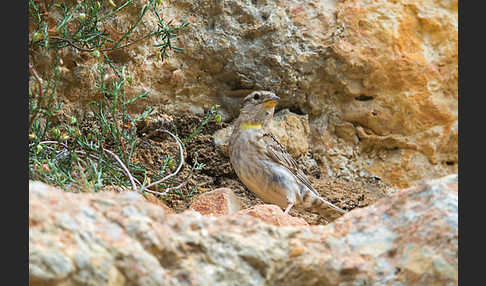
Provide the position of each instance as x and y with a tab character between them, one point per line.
218	202
397	63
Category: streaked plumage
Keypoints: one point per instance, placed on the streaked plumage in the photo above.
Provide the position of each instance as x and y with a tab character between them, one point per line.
264	165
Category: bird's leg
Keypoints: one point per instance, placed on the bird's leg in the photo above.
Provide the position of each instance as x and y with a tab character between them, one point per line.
289	206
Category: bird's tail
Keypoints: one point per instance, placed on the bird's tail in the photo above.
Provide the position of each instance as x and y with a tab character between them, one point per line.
323	207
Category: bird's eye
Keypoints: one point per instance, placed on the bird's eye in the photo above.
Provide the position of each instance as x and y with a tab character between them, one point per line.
256	96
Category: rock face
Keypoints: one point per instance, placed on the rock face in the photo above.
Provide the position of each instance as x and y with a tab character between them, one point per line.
378	79
409	238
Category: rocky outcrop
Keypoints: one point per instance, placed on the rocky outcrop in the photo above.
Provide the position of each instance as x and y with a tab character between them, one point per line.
409	238
378	79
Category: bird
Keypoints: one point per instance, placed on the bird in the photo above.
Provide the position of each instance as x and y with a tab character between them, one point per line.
264	166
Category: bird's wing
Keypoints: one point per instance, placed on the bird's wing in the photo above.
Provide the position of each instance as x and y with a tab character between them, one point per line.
279	155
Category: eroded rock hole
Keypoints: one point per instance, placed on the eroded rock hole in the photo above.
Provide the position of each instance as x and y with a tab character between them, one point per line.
364	98
296	110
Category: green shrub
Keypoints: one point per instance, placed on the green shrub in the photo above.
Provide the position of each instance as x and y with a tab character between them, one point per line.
67	155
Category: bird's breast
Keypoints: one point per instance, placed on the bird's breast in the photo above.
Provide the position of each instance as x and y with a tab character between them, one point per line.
255	170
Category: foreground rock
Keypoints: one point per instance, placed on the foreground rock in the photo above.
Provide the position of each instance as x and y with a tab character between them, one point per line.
218	202
271	214
410	238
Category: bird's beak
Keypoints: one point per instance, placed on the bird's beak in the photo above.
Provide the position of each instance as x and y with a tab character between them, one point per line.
271	101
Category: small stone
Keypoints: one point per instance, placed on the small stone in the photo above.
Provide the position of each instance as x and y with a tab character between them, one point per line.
218	202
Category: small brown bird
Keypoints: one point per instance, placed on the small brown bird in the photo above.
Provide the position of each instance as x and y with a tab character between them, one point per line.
264	166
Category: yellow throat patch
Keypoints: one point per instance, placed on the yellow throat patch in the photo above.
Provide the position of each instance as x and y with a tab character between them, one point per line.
270	104
247	125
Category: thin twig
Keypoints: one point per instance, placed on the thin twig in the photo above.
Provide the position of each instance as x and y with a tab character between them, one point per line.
61	155
49	142
134	187
154	192
124	168
90	155
181	184
184	182
65	152
127	172
41	93
138	182
70	42
181	154
119	137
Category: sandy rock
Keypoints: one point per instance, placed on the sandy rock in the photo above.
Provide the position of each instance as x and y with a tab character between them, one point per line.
221	139
378	79
409	238
292	131
218	202
271	214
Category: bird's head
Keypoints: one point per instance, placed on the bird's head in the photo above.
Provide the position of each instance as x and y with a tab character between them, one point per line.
257	109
